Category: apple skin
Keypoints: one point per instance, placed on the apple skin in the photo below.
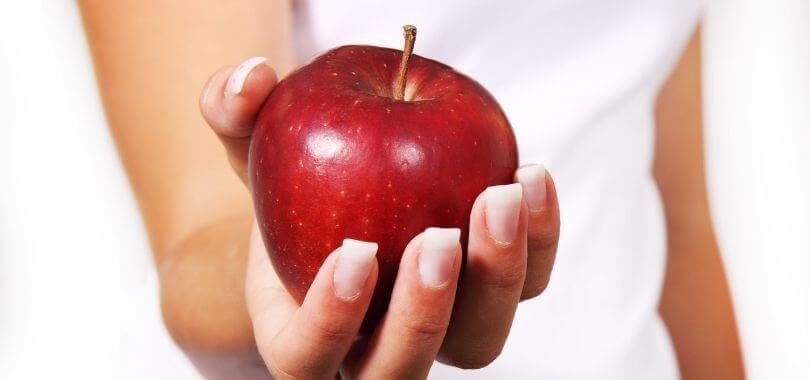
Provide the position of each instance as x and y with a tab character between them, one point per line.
334	156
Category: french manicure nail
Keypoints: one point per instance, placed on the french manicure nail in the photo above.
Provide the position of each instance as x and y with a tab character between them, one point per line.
503	211
533	180
354	262
237	79
439	249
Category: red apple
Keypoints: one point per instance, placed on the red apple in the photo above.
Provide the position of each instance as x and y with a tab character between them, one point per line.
371	144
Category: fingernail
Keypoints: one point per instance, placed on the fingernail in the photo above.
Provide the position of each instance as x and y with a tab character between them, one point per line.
353	266
533	180
237	79
439	249
503	212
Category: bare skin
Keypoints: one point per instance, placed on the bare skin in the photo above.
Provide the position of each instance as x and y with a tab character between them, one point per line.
696	303
220	298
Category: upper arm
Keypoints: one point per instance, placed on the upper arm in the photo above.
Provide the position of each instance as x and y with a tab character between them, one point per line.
696	303
152	59
679	159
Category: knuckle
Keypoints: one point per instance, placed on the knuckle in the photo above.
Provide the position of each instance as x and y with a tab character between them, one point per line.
279	372
504	280
423	329
542	242
331	331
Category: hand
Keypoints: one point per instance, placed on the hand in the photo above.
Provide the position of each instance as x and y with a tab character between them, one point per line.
513	240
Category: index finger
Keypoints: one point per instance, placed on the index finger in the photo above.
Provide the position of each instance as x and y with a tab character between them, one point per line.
315	340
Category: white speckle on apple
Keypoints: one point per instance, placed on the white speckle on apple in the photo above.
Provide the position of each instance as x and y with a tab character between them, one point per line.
343	193
385	65
354	73
387	110
334	74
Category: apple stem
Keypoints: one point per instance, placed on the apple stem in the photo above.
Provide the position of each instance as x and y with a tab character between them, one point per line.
410	38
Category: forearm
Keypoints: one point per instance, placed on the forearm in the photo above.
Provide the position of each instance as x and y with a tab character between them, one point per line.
697	309
151	60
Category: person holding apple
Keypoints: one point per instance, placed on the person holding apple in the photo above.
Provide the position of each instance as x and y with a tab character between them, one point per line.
582	103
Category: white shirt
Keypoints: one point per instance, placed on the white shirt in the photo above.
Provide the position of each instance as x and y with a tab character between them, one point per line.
578	81
577	78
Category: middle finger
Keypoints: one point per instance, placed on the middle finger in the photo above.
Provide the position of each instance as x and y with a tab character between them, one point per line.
493	279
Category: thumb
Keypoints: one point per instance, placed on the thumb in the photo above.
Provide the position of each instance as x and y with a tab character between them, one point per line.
230	101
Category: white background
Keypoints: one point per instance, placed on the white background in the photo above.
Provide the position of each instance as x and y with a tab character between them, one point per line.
757	86
72	247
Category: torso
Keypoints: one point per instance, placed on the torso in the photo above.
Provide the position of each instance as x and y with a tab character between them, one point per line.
578	81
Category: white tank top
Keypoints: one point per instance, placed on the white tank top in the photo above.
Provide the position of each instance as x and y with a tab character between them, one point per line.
578	81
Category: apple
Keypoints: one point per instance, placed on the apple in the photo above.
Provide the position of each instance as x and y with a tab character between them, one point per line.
373	144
